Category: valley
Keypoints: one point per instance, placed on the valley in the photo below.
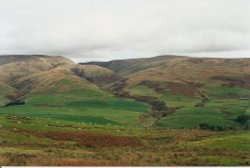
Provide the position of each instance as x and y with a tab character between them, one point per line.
165	110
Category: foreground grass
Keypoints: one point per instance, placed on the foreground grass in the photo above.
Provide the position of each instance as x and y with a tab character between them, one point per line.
49	142
236	141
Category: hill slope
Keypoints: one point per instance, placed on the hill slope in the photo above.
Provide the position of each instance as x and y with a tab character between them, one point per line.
165	91
55	87
189	84
130	66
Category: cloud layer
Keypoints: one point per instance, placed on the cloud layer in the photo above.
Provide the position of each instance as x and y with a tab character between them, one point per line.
117	29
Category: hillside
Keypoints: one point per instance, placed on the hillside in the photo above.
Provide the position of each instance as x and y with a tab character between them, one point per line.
160	111
177	68
188	84
55	87
19	66
7	93
164	91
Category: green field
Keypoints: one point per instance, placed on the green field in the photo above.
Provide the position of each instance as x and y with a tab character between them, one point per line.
229	91
192	117
218	112
87	111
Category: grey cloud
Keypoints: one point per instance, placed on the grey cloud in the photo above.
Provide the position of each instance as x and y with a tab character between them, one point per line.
117	29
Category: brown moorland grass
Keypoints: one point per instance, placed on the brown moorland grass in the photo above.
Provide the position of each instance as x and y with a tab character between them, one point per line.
54	161
4	160
188	90
87	139
160	147
74	162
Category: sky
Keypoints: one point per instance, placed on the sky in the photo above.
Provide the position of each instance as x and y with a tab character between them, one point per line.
102	30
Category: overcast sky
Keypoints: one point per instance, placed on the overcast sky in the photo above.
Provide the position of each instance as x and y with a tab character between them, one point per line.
87	30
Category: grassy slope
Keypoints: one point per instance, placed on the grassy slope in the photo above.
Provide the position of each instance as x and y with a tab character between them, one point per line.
17	68
42	141
75	99
170	99
192	117
5	91
201	72
237	141
225	110
228	91
54	87
62	91
192	69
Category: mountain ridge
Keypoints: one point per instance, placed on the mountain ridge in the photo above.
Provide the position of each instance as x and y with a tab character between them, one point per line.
121	66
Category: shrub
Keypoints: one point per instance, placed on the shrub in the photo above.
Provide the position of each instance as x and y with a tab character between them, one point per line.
242	119
206	126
